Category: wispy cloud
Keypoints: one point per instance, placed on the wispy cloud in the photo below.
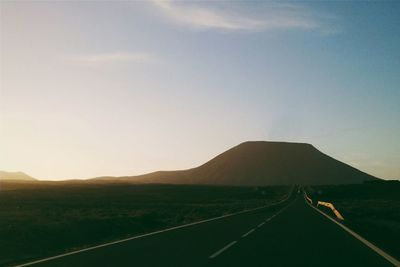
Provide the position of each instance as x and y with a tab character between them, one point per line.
235	17
112	58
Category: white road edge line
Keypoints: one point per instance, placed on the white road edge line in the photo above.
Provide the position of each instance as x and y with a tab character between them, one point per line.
270	218
249	232
149	234
222	249
389	258
246	234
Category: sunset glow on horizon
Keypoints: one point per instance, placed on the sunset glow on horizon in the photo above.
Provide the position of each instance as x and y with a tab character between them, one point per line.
92	89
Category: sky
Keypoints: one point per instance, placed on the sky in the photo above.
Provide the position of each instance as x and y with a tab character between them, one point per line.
123	88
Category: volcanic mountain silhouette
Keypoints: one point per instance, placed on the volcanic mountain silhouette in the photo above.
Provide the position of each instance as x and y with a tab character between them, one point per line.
261	163
15	176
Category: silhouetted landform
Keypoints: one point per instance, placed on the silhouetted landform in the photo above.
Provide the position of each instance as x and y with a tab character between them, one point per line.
15	176
261	163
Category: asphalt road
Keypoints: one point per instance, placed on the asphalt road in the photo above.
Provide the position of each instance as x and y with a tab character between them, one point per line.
294	235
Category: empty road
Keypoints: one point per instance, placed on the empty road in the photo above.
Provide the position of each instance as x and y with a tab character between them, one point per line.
293	235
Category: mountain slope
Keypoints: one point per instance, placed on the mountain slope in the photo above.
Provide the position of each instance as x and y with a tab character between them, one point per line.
15	176
262	163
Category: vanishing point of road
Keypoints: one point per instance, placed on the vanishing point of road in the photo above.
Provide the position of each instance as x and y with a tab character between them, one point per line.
295	235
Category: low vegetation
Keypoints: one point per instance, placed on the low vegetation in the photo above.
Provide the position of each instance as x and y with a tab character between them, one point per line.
371	209
43	219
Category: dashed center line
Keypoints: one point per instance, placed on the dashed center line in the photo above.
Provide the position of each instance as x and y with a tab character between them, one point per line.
222	249
249	232
246	234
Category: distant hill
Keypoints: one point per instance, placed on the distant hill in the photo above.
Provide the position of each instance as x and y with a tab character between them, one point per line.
261	163
15	176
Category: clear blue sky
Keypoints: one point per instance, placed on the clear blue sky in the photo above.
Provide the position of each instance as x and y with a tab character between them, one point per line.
123	88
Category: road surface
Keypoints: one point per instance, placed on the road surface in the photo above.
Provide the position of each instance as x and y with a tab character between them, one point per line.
294	235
